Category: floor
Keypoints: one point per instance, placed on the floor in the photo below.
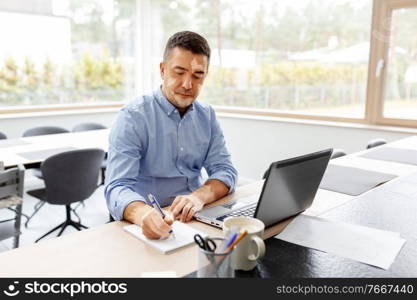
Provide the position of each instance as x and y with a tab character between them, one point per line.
92	214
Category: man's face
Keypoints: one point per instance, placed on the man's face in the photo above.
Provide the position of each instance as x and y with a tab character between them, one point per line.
183	76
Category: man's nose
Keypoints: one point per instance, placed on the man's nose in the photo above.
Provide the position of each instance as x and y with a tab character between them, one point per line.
187	84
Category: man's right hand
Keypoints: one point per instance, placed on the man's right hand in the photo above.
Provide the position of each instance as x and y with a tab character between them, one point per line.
151	221
154	226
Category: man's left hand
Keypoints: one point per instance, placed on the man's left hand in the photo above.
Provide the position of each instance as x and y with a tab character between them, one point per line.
185	206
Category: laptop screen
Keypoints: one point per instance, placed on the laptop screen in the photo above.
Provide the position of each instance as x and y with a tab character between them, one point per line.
291	186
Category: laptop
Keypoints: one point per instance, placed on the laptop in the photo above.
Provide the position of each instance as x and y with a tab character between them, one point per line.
289	189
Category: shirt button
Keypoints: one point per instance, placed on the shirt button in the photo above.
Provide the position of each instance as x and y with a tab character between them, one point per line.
182	149
180	168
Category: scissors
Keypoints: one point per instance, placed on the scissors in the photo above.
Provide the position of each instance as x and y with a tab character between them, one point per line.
205	243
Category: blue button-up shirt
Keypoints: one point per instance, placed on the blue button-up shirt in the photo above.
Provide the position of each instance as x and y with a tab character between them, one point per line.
153	150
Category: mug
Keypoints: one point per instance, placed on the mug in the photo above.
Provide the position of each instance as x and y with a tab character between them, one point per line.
251	247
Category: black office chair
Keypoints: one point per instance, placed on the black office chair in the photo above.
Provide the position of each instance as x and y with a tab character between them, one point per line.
375	143
3	136
337	153
69	177
93	126
43	130
88	126
111	219
35	168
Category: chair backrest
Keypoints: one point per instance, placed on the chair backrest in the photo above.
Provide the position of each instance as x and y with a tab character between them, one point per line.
88	126
71	176
11	182
375	143
3	136
337	153
43	130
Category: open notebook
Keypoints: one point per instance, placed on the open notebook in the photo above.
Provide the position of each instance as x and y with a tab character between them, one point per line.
184	236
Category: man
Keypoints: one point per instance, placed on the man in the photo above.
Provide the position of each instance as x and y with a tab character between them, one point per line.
160	143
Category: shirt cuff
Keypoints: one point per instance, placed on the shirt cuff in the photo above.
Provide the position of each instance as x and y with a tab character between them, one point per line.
228	180
121	198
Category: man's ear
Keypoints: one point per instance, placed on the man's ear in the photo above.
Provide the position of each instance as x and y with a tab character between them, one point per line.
162	69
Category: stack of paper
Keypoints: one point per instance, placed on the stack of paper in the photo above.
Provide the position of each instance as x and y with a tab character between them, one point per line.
368	245
183	236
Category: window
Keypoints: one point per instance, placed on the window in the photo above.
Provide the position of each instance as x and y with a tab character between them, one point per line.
392	80
400	96
345	60
306	57
66	52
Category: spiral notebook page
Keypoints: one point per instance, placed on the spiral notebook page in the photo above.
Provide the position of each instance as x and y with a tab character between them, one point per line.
184	236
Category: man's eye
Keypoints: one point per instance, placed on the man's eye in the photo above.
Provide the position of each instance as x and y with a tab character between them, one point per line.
180	73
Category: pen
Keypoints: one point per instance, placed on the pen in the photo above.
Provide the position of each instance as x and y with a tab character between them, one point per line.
237	240
156	205
230	241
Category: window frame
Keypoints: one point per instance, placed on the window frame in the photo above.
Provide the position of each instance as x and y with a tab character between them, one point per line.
381	24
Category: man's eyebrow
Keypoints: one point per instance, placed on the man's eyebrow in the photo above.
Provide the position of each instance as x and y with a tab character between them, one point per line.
181	68
200	72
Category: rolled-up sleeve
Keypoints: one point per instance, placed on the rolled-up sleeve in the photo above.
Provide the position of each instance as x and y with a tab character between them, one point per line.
218	162
123	164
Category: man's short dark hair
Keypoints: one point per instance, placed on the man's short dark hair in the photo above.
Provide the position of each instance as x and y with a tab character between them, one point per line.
188	40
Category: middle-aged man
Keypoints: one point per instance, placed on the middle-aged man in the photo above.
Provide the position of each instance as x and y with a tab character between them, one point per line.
160	143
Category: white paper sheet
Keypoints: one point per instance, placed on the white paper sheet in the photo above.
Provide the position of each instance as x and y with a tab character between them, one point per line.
326	200
184	236
368	245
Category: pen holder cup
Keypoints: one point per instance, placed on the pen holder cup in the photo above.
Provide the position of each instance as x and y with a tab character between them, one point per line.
215	264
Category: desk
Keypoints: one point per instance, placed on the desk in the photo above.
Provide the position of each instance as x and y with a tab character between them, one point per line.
10	149
109	251
286	260
373	209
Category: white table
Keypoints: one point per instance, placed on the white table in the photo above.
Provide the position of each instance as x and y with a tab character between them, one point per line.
9	155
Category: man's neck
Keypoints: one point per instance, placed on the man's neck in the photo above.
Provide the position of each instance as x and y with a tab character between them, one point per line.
181	110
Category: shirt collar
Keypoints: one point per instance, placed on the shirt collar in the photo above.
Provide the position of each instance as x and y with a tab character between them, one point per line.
165	104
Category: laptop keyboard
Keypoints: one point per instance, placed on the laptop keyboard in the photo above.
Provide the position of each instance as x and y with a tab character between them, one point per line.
248	211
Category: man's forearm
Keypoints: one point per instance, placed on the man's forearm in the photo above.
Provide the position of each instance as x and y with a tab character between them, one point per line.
212	190
135	211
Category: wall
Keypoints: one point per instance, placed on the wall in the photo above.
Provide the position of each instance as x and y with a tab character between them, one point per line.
253	141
